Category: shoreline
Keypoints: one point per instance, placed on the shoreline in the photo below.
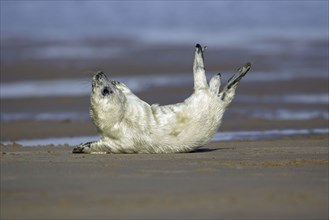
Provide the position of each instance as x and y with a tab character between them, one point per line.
218	137
20	130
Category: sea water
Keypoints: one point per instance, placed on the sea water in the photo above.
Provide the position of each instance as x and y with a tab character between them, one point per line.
237	24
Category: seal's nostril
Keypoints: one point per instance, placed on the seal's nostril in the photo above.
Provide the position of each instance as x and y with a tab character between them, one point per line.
106	91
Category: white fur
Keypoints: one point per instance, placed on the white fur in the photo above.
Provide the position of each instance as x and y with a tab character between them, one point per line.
129	125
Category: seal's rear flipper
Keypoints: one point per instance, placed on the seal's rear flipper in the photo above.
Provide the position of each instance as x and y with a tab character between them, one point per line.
200	81
242	71
229	89
214	84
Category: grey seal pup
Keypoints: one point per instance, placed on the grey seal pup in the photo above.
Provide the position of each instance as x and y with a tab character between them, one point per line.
127	124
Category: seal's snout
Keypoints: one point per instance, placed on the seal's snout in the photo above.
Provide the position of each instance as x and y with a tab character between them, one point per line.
99	76
99	79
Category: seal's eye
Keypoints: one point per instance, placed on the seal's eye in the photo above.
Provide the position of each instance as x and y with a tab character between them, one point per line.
106	91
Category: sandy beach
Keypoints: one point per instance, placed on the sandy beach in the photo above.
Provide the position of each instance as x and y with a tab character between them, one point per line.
274	179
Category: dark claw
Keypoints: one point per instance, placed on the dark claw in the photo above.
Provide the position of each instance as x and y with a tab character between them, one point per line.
200	49
78	150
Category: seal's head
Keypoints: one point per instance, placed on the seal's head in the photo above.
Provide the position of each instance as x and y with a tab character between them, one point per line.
108	100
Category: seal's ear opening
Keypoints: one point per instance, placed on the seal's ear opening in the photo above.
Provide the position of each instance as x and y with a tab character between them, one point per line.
106	91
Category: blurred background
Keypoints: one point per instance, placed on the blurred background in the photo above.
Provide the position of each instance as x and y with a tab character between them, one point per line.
50	49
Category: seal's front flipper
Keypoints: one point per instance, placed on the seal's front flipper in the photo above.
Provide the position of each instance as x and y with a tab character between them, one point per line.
82	148
78	150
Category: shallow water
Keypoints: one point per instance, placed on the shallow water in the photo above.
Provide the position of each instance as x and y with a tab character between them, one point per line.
279	114
316	103
140	83
219	136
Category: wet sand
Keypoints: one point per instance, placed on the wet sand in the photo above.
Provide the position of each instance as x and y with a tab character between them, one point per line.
273	179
